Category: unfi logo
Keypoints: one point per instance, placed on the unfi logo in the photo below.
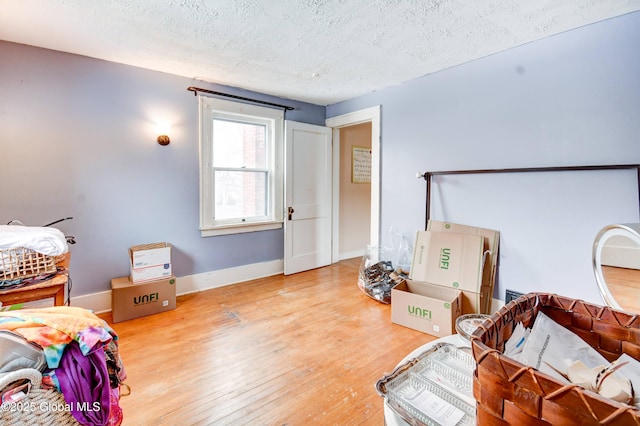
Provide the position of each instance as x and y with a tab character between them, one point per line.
145	298
445	255
419	312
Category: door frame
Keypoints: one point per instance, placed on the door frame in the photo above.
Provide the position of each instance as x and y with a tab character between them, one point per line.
369	115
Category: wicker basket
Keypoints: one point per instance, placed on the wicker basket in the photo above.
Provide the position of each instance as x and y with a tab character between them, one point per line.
18	263
508	392
40	407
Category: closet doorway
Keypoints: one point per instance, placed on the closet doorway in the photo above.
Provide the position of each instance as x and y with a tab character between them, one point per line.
355	191
356	205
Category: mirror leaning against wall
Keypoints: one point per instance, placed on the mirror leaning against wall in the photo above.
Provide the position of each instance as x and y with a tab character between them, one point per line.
616	264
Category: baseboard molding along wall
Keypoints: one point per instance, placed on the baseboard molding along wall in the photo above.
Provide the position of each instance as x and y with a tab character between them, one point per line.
101	302
351	254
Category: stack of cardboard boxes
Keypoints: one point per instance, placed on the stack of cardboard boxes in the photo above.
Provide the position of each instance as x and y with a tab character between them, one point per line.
151	286
453	272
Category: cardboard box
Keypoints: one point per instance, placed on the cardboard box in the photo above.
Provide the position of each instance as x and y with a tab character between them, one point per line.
448	259
131	300
491	247
429	308
150	262
472	302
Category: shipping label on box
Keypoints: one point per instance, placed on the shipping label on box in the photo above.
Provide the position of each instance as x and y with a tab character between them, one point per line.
425	307
133	300
491	247
449	259
151	273
150	262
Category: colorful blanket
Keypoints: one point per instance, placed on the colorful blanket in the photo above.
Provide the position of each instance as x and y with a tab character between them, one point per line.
53	328
81	351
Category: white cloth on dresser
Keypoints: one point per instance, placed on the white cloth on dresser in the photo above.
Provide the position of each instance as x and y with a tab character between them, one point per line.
44	240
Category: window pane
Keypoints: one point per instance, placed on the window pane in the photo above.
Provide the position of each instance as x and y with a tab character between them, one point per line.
240	194
239	145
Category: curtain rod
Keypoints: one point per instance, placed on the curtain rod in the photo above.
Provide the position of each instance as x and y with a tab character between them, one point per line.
195	91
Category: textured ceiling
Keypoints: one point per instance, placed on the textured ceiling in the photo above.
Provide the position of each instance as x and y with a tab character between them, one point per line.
318	51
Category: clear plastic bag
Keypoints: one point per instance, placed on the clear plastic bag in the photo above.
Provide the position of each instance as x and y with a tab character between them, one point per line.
377	275
402	251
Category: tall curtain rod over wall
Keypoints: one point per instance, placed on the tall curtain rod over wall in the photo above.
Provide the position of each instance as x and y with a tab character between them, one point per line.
195	91
428	175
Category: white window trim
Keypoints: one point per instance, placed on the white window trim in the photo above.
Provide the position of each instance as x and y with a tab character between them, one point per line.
207	106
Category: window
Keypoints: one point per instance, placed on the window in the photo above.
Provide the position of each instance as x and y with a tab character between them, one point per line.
241	167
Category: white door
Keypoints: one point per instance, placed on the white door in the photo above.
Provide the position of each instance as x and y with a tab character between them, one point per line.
307	222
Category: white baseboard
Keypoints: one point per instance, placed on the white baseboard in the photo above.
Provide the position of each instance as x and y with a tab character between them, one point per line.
96	302
223	277
101	302
621	256
351	254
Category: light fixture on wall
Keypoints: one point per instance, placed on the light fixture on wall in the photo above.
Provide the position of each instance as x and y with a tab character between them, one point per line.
163	130
164	140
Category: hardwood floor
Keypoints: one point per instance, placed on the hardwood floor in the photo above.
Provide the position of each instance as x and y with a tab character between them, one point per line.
297	350
624	285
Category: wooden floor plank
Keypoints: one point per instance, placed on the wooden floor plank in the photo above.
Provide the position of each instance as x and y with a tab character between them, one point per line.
283	350
624	285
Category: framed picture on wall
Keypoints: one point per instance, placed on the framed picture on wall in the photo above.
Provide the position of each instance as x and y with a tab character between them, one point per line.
360	164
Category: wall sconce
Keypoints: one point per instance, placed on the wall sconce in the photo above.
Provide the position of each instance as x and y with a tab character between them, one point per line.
163	130
163	140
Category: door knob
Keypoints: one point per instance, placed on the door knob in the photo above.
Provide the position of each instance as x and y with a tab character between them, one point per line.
290	212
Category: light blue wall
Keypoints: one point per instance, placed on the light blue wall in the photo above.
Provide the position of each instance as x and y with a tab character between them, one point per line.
77	138
572	99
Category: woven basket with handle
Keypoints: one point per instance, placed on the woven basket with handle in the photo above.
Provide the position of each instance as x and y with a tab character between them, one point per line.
39	407
509	392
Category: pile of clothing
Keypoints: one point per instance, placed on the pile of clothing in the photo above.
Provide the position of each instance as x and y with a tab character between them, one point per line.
82	359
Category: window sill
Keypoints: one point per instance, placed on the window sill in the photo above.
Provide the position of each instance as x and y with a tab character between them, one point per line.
240	228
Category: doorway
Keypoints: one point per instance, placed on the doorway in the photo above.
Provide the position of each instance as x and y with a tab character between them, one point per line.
355	191
371	116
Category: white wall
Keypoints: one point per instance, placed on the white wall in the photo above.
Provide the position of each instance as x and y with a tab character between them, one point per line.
78	138
567	100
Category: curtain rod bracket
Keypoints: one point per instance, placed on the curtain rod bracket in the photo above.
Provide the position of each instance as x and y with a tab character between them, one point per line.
195	91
